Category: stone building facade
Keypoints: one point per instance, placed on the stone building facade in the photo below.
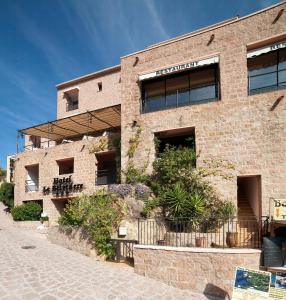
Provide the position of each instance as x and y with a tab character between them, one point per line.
223	85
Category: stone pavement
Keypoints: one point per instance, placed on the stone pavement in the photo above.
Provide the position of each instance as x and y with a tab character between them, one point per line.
47	271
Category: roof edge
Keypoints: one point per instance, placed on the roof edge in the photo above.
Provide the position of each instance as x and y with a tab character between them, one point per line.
89	76
203	30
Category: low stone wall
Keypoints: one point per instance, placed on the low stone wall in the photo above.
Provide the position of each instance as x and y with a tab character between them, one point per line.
72	238
209	271
27	224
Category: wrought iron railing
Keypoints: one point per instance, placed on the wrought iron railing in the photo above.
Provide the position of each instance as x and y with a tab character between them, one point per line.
31	186
124	249
238	233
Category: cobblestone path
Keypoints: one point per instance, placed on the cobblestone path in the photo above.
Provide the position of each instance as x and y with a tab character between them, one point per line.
47	271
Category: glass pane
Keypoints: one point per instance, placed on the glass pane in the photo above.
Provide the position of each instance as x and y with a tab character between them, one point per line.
262	64
184	97
155	103
282	59
171	99
154	89
263	81
177	83
202	78
203	93
282	77
174	87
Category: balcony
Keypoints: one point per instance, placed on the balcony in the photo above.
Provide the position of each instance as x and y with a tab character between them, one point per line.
31	186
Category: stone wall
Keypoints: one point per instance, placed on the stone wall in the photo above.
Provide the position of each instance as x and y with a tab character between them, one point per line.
85	172
241	128
73	239
209	271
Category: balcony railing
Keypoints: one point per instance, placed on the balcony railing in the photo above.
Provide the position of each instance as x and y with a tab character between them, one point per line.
200	233
267	81
31	186
107	176
181	98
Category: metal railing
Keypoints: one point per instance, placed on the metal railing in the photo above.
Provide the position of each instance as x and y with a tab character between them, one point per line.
124	249
180	98
267	87
238	233
106	176
31	186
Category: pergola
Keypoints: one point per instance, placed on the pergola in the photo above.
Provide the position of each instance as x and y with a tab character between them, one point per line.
75	125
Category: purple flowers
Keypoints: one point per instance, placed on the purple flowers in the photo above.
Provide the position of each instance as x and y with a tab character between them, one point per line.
140	190
122	190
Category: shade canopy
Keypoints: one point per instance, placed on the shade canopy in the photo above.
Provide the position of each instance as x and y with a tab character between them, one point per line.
179	68
266	49
80	124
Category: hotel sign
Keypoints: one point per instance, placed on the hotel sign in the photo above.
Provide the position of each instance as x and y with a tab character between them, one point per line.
62	187
180	67
279	209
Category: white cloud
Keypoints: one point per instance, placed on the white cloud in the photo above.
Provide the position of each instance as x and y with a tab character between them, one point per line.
156	19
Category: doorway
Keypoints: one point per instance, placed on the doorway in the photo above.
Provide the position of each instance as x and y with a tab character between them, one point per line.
249	197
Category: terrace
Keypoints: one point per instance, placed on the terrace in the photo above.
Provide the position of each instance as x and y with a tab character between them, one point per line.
84	126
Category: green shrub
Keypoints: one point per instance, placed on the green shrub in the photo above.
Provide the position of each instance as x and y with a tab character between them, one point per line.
99	214
182	189
7	194
30	211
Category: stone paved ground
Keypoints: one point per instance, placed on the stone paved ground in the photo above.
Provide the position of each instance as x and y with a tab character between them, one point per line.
51	272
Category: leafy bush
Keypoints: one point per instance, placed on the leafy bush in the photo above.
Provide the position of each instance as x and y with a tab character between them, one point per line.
182	190
30	211
99	214
7	194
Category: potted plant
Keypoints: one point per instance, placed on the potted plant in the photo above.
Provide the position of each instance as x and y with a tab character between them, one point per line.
227	215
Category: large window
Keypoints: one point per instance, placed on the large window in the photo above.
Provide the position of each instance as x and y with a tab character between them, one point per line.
267	72
181	89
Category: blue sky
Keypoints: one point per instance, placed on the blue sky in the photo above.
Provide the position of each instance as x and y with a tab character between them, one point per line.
45	42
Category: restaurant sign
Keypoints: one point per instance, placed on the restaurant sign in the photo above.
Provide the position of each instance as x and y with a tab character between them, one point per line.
63	186
180	67
279	209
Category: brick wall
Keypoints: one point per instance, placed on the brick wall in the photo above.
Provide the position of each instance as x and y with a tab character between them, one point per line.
240	128
209	271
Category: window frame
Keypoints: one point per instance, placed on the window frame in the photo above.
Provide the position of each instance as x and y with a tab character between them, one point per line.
215	67
269	88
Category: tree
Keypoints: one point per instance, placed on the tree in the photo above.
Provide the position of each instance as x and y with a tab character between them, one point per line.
7	194
2	174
